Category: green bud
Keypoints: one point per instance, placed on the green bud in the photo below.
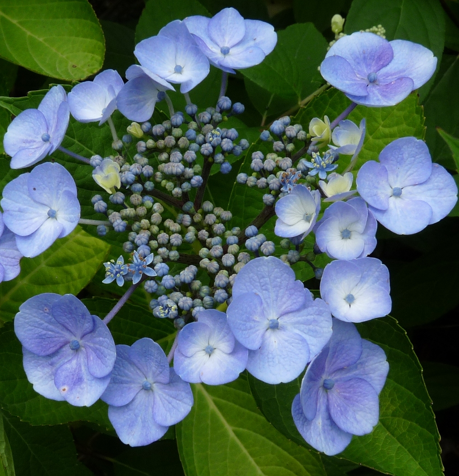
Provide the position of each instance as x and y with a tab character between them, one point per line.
169	186
197	169
151	144
135	130
154	230
153	244
160	145
197	217
285	244
145	224
169	141
163	157
148	205
337	23
177	133
204	252
290	147
135	199
183	143
127	213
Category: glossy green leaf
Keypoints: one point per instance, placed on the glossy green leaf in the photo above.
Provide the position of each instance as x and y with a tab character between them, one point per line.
453	144
320	13
442	382
150	22
41	451
290	71
61	39
420	21
18	397
65	268
225	434
6	456
406	439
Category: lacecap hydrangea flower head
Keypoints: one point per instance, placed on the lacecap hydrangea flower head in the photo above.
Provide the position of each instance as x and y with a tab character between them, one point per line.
405	191
374	72
68	353
277	319
339	395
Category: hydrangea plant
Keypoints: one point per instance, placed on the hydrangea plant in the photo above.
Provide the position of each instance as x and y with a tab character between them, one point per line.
216	277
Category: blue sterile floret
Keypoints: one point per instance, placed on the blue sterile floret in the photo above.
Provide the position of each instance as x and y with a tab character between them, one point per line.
115	271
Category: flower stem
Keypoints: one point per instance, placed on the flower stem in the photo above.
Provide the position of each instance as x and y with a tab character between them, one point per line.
187	98
88	221
72	154
171	353
224	84
120	303
112	129
169	105
343	115
304	101
167	198
205	176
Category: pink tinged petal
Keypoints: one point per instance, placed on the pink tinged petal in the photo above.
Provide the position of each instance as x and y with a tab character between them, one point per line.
345	347
381	95
51	103
37	329
87	101
282	357
313	323
194	338
188	368
226	28
373	185
100	349
223	368
72	314
40	373
366	52
259	33
312	383
410	60
173	401
354	406
247	320
9	256
150	359
220	335
404	216
110	78
76	384
59	128
137	99
407	161
40	240
47	182
372	367
134	423
274	282
439	191
340	74
126	379
321	433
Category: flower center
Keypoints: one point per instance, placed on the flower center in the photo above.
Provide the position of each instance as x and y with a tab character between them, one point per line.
273	324
396	192
224	50
307	217
146	385
74	344
345	234
178	69
45	137
328	384
209	349
52	213
349	299
372	78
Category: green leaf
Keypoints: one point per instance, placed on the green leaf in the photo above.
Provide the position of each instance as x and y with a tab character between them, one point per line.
320	13
453	144
419	21
255	9
442	382
150	22
138	461
406	439
41	451
61	39
290	71
225	434
65	268
6	456
120	44
4	123
18	397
